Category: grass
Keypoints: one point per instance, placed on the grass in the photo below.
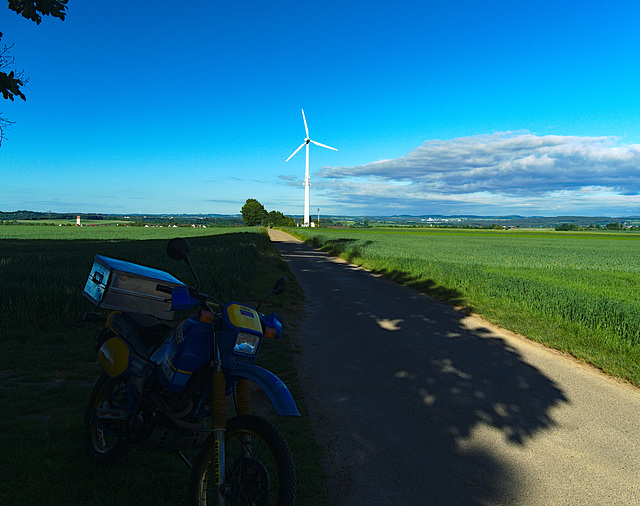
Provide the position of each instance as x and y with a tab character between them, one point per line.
107	233
576	292
48	364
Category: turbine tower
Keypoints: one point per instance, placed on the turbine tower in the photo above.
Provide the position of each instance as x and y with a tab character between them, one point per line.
307	182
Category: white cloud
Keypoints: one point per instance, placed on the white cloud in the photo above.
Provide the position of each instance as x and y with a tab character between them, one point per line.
500	173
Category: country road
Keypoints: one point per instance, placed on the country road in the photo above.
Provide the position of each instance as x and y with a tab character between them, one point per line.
418	403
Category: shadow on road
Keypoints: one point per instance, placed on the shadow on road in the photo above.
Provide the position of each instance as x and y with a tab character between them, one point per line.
351	250
415	404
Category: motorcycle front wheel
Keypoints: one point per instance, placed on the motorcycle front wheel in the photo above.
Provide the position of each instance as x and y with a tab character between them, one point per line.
259	467
104	444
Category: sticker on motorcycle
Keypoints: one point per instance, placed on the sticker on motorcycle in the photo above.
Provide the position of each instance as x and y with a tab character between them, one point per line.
244	317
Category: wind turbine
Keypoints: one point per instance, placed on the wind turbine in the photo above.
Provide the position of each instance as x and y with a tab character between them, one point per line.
307	182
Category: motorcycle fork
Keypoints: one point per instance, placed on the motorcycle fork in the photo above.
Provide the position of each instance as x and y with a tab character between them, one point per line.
218	429
243	407
243	397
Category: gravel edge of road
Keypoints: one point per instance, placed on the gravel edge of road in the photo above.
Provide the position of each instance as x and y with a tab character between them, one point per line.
294	324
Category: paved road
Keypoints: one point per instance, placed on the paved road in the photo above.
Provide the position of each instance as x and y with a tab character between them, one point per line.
421	404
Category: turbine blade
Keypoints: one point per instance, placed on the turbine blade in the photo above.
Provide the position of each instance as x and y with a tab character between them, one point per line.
306	129
323	145
299	148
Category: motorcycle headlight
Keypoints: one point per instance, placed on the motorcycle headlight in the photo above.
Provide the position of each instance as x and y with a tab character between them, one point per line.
247	343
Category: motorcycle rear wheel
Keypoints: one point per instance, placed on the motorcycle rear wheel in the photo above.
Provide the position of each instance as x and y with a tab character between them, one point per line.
102	445
259	466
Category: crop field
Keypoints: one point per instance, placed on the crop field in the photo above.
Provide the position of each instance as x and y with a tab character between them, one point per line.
48	364
106	233
577	292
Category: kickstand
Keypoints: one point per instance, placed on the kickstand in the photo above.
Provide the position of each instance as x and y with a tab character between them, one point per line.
185	460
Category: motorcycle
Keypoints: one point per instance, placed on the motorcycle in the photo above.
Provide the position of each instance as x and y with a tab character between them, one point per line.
165	389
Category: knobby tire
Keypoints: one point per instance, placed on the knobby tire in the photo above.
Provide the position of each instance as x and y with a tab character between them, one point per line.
246	474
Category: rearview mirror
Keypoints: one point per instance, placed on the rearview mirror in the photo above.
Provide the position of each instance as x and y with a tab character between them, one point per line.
280	287
178	249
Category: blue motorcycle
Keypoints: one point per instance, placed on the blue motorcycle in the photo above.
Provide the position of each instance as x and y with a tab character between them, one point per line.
165	388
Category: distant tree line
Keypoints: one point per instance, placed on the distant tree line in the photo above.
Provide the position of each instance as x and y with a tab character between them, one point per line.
185	221
43	218
610	226
35	215
254	213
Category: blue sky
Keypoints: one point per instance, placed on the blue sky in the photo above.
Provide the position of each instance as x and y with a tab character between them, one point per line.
459	107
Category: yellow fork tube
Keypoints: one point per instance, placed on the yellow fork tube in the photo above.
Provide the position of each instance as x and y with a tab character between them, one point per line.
218	427
243	397
218	402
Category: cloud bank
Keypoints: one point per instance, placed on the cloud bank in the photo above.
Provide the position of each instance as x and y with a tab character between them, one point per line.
502	173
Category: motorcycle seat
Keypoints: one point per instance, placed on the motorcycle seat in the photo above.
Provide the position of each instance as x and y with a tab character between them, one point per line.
143	332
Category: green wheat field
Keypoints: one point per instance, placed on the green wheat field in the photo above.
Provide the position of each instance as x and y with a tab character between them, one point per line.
573	291
48	363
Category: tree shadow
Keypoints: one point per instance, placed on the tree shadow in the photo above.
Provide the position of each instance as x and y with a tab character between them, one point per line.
427	286
351	250
418	404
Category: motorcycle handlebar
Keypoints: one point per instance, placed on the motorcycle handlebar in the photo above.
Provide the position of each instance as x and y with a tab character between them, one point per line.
202	297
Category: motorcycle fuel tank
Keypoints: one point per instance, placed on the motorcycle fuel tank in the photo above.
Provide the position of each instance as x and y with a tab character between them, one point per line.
187	348
114	356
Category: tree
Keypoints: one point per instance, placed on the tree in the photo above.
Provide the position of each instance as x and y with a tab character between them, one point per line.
277	219
30	9
10	82
253	213
567	227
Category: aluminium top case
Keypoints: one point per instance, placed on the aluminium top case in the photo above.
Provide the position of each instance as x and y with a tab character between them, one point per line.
125	286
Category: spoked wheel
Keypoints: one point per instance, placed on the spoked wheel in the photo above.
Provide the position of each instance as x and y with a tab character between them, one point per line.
104	439
258	463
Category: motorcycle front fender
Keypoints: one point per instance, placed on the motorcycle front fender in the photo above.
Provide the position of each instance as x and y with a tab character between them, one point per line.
274	387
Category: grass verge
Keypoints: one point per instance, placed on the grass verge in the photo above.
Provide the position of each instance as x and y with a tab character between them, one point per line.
48	367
